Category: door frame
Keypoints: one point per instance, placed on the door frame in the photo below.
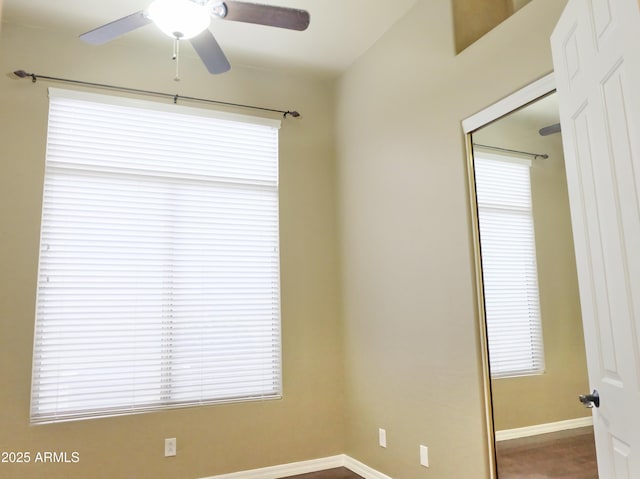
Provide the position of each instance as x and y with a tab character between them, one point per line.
493	112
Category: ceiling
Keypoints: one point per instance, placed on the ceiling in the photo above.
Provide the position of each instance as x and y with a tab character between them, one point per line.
540	113
339	32
531	117
519	130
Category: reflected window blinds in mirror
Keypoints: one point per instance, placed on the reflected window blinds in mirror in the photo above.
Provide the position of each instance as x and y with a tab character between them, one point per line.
509	265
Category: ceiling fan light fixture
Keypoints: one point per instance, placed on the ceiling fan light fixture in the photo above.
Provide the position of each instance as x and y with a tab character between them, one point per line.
190	19
181	19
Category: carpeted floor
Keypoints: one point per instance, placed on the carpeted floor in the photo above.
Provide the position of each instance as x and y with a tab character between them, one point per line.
338	473
565	455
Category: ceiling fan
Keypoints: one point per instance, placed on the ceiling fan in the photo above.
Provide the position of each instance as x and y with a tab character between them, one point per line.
189	20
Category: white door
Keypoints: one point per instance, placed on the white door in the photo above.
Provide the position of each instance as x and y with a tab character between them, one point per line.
596	54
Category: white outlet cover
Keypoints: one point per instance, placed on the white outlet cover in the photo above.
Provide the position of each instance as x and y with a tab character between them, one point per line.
424	456
382	437
170	446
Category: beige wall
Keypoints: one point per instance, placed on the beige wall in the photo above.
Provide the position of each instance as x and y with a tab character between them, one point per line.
518	4
308	423
473	18
411	339
552	396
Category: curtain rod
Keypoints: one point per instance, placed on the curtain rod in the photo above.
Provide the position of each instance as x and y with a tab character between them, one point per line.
543	156
35	77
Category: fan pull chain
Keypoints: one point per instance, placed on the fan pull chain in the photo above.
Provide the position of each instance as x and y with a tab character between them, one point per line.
176	56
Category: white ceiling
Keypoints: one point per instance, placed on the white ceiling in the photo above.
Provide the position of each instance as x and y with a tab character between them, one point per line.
538	114
519	129
340	31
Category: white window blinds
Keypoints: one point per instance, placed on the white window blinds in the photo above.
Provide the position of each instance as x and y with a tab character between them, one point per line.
509	267
158	281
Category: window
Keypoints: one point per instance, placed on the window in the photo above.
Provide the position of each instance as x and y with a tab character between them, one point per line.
509	267
158	281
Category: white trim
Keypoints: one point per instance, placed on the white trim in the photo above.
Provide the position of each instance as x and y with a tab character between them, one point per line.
528	431
159	106
363	470
285	470
305	467
514	101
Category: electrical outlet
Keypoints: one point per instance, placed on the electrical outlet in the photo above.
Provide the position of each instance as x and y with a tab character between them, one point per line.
424	456
170	446
382	437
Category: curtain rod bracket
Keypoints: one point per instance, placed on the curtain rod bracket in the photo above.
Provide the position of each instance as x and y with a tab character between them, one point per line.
34	78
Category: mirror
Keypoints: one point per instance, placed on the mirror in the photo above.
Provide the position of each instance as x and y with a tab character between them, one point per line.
534	338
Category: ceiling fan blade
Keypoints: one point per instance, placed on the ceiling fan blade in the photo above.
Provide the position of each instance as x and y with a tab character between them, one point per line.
282	17
210	52
550	130
114	29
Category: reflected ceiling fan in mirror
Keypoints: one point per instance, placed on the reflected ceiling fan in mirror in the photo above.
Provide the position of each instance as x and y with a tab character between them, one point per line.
550	130
189	20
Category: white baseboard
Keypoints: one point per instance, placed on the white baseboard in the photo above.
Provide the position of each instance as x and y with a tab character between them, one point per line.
362	469
507	434
304	467
285	470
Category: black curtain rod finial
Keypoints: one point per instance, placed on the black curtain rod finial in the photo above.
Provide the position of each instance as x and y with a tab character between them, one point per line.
294	114
21	74
24	74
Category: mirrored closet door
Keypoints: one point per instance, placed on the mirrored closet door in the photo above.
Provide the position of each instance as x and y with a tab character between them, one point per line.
533	325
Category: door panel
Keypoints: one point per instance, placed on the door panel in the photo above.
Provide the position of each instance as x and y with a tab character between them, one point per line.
597	66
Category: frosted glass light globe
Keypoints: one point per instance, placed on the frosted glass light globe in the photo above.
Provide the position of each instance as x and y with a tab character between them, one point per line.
179	18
